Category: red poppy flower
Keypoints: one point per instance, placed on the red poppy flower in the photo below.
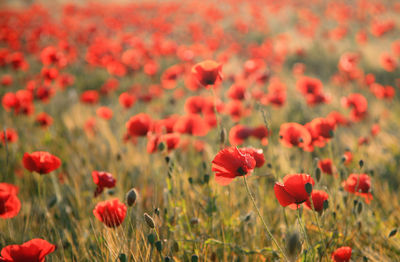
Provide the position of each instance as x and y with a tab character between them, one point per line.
194	104
41	162
6	80
232	162
318	199
375	129
326	166
359	105
207	72
34	250
237	92
337	118
44	120
388	62
139	125
166	125
104	112
191	124
10	135
276	93
342	254
257	154
110	212
348	157
294	134
359	184
9	202
170	76
171	141
236	110
90	126
90	97
127	100
308	85
109	86
293	189
348	62
102	180
321	131
238	134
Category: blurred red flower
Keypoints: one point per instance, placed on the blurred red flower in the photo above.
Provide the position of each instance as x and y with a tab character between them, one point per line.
9	202
102	180
9	135
342	254
359	184
110	212
41	162
207	72
139	125
34	250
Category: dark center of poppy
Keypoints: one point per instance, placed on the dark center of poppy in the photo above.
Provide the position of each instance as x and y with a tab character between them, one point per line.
241	171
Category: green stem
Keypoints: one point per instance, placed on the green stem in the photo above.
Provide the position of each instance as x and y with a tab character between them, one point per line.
319	226
302	227
262	219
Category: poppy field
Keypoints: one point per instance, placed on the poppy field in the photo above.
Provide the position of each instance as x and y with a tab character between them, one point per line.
193	131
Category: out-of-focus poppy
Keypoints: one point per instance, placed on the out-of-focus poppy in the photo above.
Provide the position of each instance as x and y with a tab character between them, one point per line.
41	162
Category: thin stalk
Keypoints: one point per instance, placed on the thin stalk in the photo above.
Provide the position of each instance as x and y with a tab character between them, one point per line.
319	226
262	219
303	228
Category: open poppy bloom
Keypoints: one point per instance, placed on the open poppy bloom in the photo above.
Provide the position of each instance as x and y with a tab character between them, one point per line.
359	184
10	135
111	212
191	124
318	199
207	72
342	254
293	189
41	162
139	125
171	141
232	162
9	202
102	180
326	166
294	134
104	112
34	250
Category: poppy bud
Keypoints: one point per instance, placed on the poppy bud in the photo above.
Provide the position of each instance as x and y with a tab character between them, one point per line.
175	246
308	187
361	163
149	220
159	246
393	232
131	197
293	243
318	174
222	136
151	238
194	258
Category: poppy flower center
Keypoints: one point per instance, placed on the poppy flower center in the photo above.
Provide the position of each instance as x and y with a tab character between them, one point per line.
241	171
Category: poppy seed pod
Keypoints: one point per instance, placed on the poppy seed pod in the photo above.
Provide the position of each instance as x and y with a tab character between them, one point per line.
131	197
149	220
